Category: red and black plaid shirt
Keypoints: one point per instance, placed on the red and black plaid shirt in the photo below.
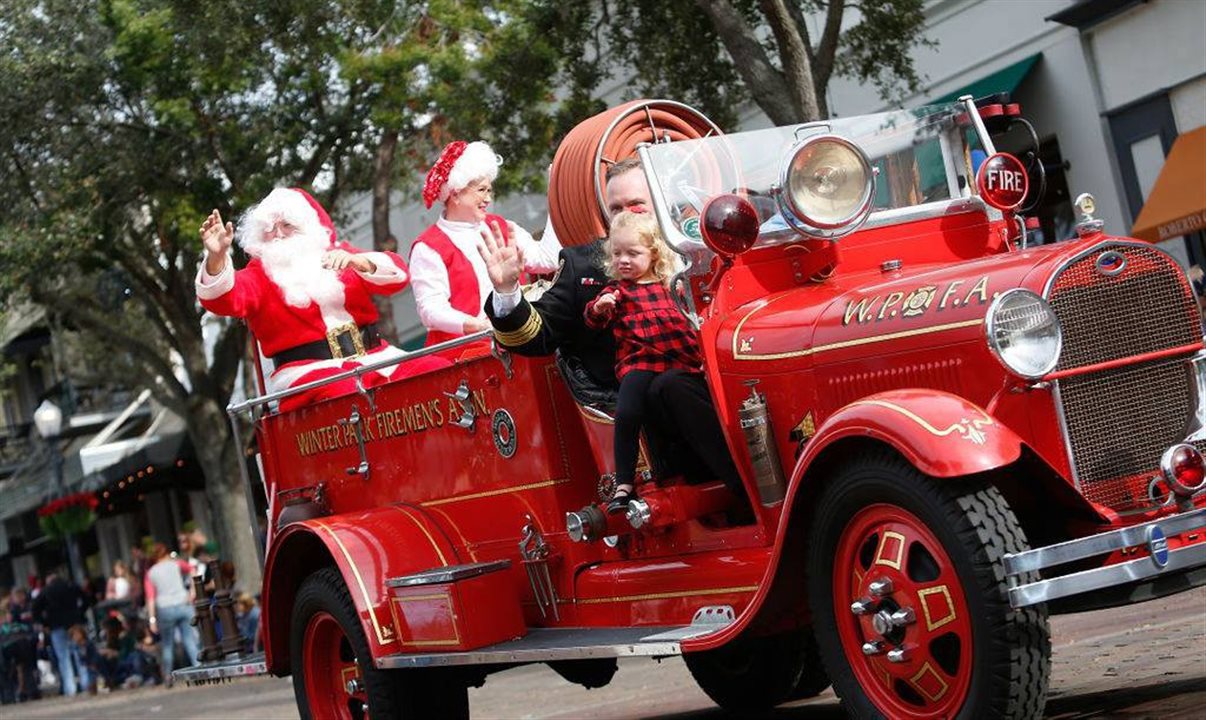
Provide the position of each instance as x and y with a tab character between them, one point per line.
651	333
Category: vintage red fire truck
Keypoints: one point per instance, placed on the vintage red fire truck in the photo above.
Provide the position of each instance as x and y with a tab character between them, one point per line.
945	434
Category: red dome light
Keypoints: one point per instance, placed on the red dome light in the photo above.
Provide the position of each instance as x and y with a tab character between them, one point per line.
730	225
1184	469
1002	181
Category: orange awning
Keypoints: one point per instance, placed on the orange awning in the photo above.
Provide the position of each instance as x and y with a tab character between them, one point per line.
1177	203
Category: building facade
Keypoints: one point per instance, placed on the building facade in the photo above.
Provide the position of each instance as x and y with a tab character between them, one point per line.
113	442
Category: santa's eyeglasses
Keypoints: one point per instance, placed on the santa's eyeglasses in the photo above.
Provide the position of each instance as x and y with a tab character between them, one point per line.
280	229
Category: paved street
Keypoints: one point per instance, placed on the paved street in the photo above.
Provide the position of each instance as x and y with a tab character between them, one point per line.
1145	661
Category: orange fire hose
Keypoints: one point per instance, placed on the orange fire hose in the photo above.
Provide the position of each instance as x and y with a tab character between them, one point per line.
577	177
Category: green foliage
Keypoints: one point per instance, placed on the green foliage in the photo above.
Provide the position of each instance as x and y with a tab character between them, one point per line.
677	51
125	121
879	48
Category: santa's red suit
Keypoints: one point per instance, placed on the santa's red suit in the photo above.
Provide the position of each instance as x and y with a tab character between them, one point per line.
449	277
292	304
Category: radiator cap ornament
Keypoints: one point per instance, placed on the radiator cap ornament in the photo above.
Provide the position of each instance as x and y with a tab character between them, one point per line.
1086	205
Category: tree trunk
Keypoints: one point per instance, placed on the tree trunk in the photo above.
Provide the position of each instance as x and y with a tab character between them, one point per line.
382	238
219	459
793	52
766	85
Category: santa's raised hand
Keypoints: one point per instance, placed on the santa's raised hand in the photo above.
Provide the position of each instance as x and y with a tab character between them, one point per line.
217	239
504	261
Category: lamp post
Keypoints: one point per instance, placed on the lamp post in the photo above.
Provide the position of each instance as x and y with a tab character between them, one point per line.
48	419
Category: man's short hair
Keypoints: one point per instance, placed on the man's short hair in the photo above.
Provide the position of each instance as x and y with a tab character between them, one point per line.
618	169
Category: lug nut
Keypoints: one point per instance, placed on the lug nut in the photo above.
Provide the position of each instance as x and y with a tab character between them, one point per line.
354	686
873	647
862	606
904	616
880	587
882	622
898	655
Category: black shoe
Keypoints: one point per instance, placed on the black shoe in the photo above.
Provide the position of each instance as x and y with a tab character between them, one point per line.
619	501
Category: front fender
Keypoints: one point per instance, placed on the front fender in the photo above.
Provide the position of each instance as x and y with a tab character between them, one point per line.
940	433
368	548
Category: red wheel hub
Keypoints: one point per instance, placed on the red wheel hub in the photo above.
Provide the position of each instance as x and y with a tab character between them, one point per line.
901	615
334	688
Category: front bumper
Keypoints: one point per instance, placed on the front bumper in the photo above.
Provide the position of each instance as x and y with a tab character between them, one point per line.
1151	536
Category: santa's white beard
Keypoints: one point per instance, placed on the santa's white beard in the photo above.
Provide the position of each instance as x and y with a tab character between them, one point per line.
295	265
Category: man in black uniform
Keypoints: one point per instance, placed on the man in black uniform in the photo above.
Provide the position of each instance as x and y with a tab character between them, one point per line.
684	415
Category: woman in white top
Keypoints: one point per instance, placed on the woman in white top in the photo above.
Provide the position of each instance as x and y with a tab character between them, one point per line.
119	586
447	272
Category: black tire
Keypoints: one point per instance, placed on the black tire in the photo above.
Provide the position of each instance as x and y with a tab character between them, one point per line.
409	694
1010	662
756	674
813	678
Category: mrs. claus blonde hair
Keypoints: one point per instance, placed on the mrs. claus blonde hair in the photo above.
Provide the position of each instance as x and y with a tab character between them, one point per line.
647	231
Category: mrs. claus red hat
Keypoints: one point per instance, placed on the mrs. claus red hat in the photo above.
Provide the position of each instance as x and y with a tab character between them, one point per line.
460	164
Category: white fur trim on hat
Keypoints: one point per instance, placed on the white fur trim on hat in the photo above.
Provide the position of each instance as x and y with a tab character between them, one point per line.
282	203
477	162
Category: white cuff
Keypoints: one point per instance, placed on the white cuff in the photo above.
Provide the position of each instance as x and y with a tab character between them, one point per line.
212	287
504	303
387	272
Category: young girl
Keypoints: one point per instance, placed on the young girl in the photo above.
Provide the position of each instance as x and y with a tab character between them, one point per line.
652	336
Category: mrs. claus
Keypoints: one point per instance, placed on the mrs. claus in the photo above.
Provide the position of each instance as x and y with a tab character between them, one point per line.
448	274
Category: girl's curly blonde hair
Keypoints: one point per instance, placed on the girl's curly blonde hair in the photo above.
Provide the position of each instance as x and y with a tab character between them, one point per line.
662	260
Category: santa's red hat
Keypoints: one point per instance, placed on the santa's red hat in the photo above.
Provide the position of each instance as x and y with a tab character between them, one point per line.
293	205
460	164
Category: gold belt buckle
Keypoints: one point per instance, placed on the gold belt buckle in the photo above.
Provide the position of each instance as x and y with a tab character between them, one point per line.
353	332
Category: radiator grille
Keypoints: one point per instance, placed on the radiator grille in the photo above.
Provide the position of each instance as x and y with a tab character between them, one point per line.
1121	422
1147	306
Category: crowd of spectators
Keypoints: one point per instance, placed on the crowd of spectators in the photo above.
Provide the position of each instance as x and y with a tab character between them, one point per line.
58	637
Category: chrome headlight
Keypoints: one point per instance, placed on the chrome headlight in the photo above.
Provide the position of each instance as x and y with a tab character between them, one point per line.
1024	333
826	187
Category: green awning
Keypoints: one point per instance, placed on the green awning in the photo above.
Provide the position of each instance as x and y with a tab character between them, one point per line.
1006	79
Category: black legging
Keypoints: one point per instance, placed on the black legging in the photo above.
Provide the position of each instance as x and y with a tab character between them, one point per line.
630	416
681	407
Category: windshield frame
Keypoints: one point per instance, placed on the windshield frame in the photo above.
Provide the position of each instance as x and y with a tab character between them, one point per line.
960	183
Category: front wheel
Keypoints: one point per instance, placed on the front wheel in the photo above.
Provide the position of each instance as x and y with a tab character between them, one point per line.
333	672
910	598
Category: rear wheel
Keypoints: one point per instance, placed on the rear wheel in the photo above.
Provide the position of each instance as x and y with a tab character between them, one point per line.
333	672
752	674
909	597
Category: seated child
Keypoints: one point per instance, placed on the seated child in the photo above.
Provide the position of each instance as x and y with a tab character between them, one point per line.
248	618
89	656
652	335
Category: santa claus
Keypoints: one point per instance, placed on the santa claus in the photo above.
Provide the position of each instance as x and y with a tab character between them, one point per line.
304	294
448	273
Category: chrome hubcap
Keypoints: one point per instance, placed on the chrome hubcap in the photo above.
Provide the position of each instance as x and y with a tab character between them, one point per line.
888	620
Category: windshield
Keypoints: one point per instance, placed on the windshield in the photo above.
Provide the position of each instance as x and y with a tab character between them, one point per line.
920	156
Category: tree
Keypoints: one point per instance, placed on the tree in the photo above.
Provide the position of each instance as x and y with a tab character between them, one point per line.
716	54
124	121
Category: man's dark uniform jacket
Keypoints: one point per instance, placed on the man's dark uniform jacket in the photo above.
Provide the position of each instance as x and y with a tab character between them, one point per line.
555	321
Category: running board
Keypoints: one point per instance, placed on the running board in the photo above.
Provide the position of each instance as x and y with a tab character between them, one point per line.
221	670
545	644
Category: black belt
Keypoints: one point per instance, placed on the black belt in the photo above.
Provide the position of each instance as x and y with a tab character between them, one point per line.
344	341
